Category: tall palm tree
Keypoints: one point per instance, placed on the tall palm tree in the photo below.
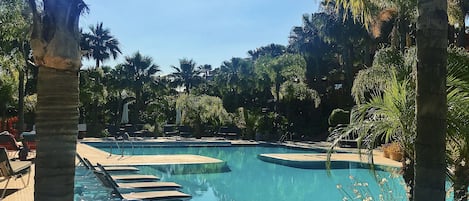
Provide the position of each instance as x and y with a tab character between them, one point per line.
372	13
57	104
99	44
273	50
236	81
139	70
431	107
186	74
318	53
234	70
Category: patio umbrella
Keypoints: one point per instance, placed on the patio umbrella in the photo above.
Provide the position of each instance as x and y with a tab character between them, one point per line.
125	113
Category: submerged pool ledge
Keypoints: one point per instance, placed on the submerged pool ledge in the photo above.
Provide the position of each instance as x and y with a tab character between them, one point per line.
318	161
98	156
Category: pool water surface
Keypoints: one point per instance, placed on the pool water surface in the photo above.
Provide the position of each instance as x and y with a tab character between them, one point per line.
250	179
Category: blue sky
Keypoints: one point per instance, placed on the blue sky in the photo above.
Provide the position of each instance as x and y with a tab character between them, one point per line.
208	31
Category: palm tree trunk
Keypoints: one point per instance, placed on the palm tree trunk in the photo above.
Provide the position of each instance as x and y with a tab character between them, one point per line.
20	100
21	90
56	125
55	44
431	107
461	39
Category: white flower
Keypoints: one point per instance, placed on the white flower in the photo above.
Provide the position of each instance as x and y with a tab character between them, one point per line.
338	186
369	198
383	180
463	163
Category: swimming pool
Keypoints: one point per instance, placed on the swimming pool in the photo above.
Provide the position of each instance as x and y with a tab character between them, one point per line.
251	179
88	187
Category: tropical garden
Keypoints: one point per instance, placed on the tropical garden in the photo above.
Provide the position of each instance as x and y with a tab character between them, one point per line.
362	67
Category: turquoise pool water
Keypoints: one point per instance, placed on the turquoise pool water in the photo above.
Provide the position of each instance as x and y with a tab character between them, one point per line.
251	179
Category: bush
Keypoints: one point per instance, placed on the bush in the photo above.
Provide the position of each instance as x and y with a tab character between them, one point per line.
339	116
201	112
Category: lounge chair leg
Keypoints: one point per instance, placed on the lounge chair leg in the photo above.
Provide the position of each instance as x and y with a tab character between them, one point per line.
29	178
5	188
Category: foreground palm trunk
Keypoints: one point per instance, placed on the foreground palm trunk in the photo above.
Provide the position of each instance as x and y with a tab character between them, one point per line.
55	45
56	125
431	107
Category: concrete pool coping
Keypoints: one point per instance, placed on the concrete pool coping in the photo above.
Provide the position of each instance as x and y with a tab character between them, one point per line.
98	156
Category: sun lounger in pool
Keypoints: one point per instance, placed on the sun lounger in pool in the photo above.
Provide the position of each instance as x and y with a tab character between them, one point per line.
132	177
152	185
155	195
90	166
144	185
120	168
125	177
145	195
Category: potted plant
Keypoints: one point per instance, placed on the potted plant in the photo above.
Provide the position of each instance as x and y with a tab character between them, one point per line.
395	152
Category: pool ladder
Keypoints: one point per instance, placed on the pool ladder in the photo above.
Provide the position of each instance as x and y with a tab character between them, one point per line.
284	137
125	137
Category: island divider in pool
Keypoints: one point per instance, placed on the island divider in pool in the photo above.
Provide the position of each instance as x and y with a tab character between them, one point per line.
338	161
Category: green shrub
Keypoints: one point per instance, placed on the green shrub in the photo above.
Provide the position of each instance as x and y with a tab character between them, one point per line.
339	116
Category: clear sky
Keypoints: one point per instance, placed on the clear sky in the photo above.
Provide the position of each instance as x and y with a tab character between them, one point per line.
208	31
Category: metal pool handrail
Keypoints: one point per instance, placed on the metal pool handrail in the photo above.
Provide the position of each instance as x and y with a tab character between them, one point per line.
124	137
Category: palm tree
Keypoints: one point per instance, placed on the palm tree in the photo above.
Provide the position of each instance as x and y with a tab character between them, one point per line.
186	74
307	41
387	115
205	69
234	70
139	70
457	137
431	107
99	45
390	110
272	50
374	13
57	86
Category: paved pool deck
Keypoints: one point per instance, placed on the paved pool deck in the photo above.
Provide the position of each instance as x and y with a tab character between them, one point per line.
15	191
98	156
